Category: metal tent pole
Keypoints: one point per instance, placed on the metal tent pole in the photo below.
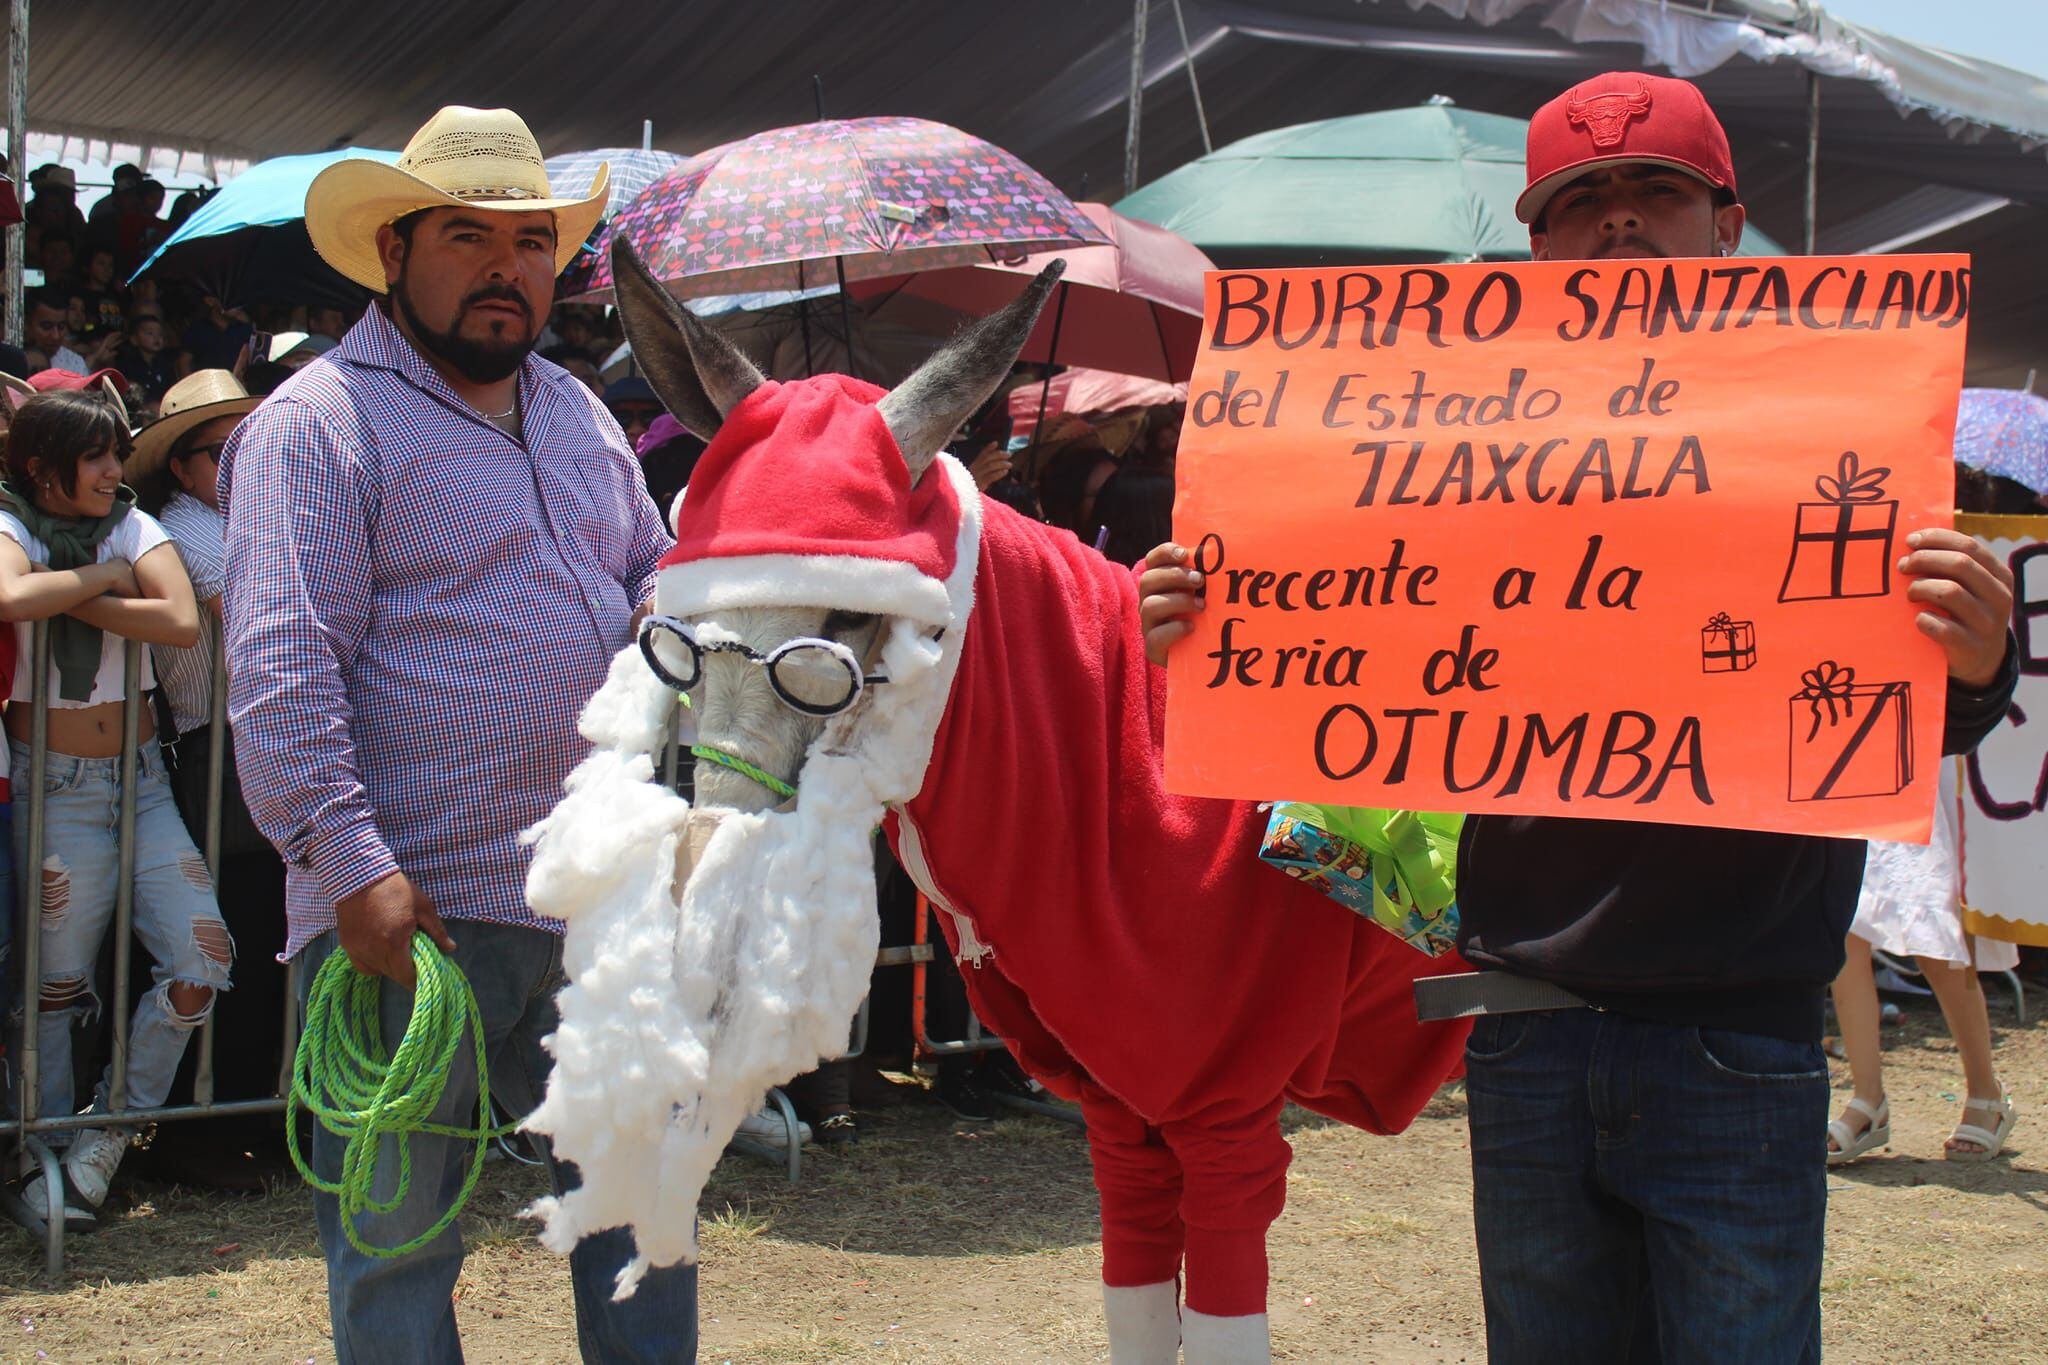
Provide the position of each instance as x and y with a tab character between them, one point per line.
17	152
1812	158
1187	56
1137	97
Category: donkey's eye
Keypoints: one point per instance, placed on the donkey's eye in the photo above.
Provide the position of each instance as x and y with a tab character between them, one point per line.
845	622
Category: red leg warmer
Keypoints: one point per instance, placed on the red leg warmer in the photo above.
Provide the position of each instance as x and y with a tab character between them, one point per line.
1139	1182
1234	1184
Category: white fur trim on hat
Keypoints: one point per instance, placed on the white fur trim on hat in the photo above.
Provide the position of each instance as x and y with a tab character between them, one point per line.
883	587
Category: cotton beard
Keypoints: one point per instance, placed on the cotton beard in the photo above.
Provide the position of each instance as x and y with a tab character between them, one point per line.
683	1009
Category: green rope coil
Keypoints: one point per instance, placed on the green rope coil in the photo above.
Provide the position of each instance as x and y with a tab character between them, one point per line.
744	768
342	1077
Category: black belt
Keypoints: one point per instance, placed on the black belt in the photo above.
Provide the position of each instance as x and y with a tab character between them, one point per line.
1474	993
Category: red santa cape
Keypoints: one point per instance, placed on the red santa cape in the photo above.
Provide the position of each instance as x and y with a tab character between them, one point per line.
1125	940
1120	931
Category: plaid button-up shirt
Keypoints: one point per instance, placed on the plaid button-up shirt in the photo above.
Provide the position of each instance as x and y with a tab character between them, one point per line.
417	609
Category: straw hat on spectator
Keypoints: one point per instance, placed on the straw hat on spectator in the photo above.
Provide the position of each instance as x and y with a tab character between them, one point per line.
199	397
462	158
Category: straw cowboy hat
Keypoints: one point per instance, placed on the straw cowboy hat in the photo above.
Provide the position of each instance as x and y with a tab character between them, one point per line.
462	158
199	397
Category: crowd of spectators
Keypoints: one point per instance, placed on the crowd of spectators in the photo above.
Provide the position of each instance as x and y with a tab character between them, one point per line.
1107	478
90	314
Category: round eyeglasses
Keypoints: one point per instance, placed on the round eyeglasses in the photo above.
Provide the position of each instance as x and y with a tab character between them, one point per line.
816	677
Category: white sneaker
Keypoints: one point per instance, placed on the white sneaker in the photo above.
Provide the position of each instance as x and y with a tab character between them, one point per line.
78	1215
767	1126
94	1156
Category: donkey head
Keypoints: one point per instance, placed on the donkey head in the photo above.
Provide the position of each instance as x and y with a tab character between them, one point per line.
762	679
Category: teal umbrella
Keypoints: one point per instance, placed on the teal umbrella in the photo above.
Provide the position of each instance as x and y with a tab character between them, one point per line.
1431	183
248	243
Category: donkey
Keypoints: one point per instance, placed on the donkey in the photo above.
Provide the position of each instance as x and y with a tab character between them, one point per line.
863	638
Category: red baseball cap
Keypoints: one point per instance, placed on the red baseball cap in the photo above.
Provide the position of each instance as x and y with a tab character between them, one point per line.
1623	116
56	381
110	382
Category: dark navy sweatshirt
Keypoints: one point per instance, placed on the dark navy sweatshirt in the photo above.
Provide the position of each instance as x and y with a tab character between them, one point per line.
1713	928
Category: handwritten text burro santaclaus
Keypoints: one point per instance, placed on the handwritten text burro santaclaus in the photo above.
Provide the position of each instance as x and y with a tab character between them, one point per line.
1571	538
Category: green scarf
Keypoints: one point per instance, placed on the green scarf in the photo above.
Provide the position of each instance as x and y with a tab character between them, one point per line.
73	543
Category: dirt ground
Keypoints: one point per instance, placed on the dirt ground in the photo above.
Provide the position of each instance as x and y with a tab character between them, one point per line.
938	1241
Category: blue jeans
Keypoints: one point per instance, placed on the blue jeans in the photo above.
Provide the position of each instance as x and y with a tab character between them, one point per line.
176	917
390	1311
1646	1192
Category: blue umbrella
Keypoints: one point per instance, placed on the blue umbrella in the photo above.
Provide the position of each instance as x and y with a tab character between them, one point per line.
2004	432
571	174
248	243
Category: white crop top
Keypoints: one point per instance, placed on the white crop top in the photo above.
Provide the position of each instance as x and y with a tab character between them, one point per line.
135	537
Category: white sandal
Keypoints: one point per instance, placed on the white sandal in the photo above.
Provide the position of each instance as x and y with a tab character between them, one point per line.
1991	1140
1850	1144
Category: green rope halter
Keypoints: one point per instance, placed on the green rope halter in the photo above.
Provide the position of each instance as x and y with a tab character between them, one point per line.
744	769
341	1076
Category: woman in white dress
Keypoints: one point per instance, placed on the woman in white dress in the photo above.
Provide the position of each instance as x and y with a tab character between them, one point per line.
1912	906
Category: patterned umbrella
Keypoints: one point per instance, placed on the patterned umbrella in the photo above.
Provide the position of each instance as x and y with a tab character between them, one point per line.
2004	432
792	207
571	174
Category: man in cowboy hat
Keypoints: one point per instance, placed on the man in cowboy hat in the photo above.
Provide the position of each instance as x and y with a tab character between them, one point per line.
436	543
53	207
1645	1083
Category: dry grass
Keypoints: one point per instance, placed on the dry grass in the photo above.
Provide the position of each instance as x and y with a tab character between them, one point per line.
935	1241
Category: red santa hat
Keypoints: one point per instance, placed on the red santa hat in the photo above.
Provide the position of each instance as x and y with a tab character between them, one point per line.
804	499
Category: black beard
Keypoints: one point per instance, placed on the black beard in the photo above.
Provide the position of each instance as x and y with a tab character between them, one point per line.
480	362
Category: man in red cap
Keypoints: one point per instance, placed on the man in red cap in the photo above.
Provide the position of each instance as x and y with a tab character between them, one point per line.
1646	1086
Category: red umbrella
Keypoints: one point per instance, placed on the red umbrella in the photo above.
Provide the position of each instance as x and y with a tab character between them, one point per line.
1079	391
847	199
1133	306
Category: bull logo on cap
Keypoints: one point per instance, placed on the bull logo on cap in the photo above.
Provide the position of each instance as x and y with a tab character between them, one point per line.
1607	116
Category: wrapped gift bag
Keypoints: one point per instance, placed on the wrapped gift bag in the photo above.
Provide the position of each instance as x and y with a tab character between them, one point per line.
1397	868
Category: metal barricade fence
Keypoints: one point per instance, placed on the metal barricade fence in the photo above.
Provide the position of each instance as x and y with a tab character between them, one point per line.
29	898
24	1130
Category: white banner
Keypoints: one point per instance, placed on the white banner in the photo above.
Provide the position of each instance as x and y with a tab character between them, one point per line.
2005	787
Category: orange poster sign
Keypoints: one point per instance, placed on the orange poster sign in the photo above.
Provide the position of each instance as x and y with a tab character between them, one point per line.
1611	539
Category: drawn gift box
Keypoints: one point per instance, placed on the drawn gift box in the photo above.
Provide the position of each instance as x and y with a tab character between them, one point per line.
1842	545
1848	738
1727	645
1348	873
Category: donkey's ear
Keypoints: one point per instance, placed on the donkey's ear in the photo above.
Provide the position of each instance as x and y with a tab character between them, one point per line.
698	374
925	409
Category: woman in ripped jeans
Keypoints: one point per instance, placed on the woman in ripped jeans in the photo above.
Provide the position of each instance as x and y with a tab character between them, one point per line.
76	552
